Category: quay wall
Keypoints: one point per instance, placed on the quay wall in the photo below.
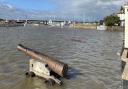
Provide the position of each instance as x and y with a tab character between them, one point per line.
83	26
115	28
10	25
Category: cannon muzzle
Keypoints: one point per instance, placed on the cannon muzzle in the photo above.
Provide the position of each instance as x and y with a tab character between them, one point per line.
55	65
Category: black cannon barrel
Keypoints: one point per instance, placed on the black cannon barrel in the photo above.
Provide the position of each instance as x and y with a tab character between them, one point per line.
55	65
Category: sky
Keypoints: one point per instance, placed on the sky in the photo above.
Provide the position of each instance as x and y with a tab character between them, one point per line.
86	10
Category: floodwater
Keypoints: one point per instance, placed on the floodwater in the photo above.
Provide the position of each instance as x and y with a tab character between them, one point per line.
93	57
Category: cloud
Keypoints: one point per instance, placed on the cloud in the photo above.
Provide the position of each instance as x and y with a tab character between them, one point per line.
79	9
9	6
10	12
91	9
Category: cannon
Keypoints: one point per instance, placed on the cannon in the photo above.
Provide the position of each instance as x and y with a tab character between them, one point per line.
44	66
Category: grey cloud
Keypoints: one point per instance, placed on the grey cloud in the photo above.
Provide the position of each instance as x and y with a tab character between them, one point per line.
91	9
79	9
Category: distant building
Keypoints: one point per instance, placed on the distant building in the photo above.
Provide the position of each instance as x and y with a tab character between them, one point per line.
6	20
121	15
50	22
56	23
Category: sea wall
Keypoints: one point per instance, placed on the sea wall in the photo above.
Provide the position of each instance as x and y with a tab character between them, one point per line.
115	28
11	24
83	26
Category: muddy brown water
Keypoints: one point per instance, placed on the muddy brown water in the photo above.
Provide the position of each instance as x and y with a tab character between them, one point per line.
91	54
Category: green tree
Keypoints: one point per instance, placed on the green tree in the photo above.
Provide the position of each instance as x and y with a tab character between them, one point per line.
111	20
1	19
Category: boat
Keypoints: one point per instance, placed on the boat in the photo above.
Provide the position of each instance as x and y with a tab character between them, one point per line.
101	27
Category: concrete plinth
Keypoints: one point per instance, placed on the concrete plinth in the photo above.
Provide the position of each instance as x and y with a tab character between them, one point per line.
124	58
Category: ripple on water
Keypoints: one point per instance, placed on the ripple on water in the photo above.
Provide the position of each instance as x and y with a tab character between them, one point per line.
91	55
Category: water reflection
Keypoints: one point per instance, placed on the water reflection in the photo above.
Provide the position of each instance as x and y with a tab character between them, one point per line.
73	73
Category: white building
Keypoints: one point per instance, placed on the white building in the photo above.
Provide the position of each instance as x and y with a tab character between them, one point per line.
121	15
126	26
122	18
56	23
50	22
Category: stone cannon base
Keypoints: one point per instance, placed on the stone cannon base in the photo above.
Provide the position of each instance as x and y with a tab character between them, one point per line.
124	58
37	68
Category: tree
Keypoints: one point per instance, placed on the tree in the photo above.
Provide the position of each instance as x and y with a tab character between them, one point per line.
1	19
111	20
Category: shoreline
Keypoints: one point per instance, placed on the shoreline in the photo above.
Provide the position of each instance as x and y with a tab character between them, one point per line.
76	27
